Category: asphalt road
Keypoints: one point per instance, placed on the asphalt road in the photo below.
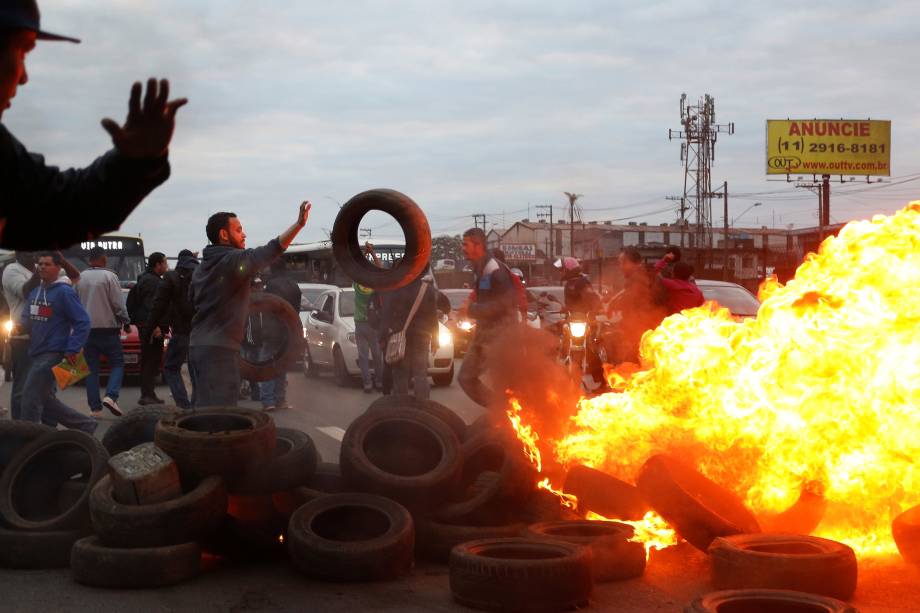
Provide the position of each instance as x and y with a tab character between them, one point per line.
673	578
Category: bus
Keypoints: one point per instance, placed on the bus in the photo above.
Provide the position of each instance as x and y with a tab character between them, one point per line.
124	252
314	262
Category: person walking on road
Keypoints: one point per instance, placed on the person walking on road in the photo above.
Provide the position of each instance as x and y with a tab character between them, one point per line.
59	326
367	321
171	303
84	203
220	292
140	308
493	307
99	290
15	278
273	393
397	309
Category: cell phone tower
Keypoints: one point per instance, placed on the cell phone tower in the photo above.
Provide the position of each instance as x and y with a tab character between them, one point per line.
698	152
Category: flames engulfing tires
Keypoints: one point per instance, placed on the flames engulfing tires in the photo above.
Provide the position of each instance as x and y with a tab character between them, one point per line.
906	531
766	601
698	508
96	565
349	254
32	484
615	556
187	518
784	561
518	574
406	455
604	494
219	441
352	537
274	338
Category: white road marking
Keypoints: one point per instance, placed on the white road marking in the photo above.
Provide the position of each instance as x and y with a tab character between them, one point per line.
333	432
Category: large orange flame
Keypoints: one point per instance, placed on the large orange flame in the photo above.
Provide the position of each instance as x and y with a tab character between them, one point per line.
820	391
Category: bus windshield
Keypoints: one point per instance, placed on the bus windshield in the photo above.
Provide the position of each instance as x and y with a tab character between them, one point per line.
124	255
315	263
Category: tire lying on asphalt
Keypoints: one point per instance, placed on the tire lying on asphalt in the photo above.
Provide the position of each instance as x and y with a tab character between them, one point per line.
14	435
802	517
349	254
542	505
766	601
604	494
435	409
136	428
34	550
699	509
187	518
224	441
352	537
518	574
31	484
274	339
614	556
288	501
405	455
96	565
434	541
484	501
906	531
294	463
784	562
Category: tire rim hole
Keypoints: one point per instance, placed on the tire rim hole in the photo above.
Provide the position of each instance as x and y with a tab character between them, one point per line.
350	523
766	605
212	424
590	530
786	548
509	552
42	489
403	448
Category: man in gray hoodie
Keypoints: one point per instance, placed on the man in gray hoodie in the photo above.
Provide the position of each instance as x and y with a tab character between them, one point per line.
99	290
220	291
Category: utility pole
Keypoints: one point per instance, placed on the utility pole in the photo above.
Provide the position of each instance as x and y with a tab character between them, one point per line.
477	218
683	212
725	230
573	197
540	215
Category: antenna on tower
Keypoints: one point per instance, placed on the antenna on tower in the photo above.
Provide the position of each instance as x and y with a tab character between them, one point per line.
698	152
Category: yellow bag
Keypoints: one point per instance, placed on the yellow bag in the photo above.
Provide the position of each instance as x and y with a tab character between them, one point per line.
66	374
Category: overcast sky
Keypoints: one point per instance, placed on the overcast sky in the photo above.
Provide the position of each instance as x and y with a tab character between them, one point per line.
468	107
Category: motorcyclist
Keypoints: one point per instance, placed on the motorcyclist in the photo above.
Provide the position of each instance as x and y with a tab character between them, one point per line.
581	300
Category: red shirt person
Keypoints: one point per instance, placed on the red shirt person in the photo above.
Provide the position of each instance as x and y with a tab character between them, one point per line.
682	290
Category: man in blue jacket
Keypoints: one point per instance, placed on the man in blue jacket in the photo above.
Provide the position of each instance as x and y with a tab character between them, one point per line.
58	326
220	291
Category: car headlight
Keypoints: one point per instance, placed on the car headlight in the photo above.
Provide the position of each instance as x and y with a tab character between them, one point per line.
465	325
578	329
8	326
444	337
351	338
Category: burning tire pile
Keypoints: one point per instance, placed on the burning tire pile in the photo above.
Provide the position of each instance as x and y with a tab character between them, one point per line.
413	482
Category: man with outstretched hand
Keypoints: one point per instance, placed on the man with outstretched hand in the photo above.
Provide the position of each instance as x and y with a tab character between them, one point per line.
220	291
83	203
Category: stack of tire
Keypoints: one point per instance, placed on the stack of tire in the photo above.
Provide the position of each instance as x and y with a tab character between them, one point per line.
45	482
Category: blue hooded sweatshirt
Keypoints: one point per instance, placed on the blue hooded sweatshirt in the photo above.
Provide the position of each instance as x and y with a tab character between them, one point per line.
56	319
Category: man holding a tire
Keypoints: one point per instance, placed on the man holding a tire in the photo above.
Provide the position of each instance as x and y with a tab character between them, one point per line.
220	290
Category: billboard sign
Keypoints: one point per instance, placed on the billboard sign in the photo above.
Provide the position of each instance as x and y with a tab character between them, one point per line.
519	252
829	147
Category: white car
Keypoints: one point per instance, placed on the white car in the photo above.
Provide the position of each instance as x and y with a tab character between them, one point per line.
309	292
329	331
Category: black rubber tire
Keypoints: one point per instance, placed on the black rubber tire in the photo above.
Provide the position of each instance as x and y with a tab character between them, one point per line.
803	517
434	541
294	463
349	254
16	434
766	601
288	501
327	479
518	574
35	550
699	509
96	565
136	428
187	518
224	441
542	505
783	562
339	371
443	379
615	557
906	532
433	408
261	302
489	502
31	484
352	537
604	494
406	455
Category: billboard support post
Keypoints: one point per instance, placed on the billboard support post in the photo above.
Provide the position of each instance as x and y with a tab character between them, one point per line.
725	230
825	213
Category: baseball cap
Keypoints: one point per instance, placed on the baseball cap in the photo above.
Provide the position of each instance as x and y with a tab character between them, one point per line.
24	15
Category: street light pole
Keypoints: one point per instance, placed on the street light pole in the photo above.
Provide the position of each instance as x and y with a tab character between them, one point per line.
734	219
